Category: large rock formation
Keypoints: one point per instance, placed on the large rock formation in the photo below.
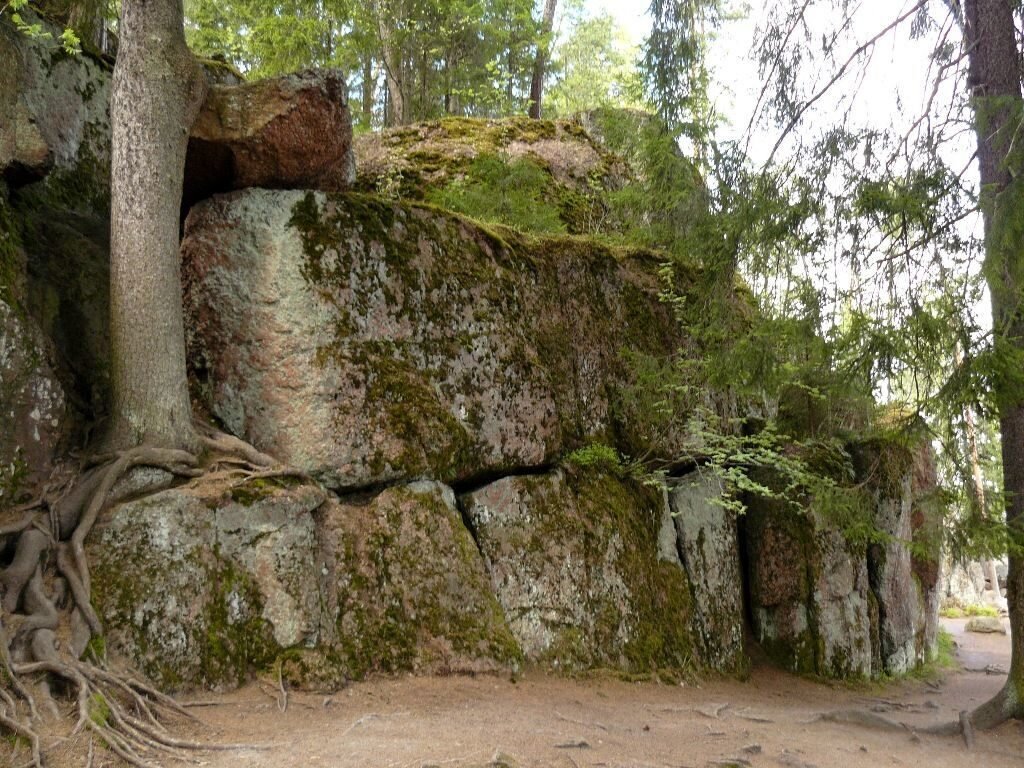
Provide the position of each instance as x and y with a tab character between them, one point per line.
829	605
573	560
371	342
388	348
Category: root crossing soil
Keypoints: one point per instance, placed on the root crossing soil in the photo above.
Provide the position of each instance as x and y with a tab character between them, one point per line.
771	720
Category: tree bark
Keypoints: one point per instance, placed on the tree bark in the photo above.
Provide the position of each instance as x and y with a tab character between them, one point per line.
541	62
158	88
994	82
368	83
393	61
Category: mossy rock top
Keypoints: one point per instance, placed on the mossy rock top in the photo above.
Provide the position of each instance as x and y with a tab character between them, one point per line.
554	166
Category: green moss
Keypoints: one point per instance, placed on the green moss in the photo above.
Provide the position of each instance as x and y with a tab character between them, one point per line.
256	489
96	648
98	709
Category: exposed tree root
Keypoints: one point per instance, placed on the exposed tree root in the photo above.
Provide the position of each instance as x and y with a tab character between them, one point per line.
47	620
991	714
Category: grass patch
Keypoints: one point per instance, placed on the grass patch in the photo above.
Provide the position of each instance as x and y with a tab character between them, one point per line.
945	659
968	610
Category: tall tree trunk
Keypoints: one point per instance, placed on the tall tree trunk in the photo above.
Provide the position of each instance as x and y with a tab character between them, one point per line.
368	83
158	88
988	565
541	62
994	82
394	69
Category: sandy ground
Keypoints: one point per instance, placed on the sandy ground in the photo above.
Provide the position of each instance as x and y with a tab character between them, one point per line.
547	721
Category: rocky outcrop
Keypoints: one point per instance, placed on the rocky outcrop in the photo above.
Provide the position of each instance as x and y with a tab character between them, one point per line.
811	602
409	587
370	342
822	602
288	132
707	545
53	105
573	560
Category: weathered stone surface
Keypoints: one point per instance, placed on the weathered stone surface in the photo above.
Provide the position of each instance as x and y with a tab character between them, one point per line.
369	342
573	559
810	598
50	105
905	588
411	590
33	410
288	132
986	625
201	584
411	160
60	215
709	547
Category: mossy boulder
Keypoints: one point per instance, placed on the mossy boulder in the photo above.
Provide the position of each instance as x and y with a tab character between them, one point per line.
411	590
367	341
810	600
203	584
418	162
573	559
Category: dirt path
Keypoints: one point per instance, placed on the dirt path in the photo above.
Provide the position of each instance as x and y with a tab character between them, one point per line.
545	721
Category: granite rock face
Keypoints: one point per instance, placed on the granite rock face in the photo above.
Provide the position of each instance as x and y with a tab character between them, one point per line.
200	585
811	601
33	408
369	342
409	588
53	106
708	546
573	560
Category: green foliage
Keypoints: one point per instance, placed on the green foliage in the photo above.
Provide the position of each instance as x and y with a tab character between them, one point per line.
596	456
592	67
456	57
33	27
500	192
